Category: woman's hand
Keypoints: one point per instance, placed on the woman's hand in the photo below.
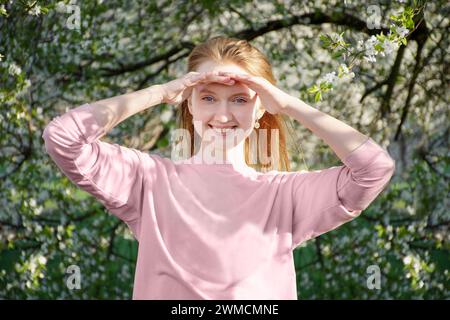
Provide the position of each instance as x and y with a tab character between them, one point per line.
273	99
178	90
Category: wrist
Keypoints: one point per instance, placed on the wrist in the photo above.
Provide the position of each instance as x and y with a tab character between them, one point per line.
288	104
158	93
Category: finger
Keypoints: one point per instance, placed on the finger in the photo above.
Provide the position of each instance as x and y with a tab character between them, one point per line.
213	76
244	79
200	76
188	92
194	79
210	76
234	74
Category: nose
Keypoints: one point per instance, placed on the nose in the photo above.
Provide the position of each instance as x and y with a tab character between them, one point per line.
222	113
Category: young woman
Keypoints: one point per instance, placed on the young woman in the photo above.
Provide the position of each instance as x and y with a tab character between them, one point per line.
219	229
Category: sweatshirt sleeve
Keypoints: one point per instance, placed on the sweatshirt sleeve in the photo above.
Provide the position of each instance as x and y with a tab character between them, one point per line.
113	174
325	199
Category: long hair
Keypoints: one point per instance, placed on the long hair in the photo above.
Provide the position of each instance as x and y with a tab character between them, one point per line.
227	50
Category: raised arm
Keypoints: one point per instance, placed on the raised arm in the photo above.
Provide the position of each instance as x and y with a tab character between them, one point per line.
113	174
325	199
341	137
112	111
328	198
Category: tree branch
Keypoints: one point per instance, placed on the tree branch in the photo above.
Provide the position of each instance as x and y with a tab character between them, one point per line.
417	68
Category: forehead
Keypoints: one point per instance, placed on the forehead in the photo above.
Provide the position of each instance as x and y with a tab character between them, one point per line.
214	66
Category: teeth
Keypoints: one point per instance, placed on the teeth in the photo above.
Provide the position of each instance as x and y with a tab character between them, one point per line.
222	130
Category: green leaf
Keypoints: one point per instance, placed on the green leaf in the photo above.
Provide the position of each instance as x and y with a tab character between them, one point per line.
395	18
318	96
313	89
325	40
337	54
325	86
323	37
381	36
410	24
378	47
163	142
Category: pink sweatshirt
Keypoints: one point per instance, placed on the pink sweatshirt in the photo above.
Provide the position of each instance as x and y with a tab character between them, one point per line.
210	231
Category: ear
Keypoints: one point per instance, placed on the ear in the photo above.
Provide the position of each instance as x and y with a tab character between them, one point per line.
260	112
259	109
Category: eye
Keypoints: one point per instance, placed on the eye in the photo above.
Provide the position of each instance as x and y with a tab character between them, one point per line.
242	100
206	98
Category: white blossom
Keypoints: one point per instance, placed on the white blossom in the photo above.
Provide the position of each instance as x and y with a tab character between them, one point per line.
344	68
61	6
35	11
360	45
370	58
14	69
371	52
407	260
344	71
42	260
388	47
330	77
166	116
337	38
402	31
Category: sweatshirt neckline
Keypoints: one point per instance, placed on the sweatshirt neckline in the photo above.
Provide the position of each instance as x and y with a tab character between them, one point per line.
224	165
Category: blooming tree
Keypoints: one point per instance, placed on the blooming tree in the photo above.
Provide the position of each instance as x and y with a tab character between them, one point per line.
382	68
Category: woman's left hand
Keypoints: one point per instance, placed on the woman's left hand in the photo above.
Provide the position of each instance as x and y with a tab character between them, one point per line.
273	99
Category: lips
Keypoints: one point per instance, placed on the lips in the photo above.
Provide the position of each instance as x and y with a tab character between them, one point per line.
222	130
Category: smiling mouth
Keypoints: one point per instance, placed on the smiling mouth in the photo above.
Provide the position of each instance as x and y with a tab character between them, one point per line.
222	130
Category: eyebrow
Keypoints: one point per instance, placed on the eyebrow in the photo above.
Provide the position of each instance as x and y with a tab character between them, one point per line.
235	94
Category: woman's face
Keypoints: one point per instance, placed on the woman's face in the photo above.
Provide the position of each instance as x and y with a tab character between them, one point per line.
214	105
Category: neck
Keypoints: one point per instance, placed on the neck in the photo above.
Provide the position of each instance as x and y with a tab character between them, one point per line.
217	153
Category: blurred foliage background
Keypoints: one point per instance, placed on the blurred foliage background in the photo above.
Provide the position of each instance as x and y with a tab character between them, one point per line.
58	55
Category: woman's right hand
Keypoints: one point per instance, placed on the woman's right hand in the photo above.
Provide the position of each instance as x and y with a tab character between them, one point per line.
178	90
